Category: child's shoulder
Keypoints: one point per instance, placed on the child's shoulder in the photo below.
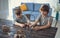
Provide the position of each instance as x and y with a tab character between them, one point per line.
50	17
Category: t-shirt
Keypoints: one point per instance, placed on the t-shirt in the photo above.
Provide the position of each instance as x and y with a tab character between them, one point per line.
22	20
44	20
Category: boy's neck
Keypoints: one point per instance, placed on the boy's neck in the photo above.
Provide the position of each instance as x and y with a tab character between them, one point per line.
44	15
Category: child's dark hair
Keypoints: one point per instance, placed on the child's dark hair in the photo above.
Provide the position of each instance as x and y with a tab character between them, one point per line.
5	29
45	8
21	33
17	10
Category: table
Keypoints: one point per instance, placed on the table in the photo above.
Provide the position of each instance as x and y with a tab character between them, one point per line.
45	33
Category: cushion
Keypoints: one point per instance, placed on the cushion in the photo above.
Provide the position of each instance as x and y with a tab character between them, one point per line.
29	6
37	6
26	12
34	16
23	7
34	12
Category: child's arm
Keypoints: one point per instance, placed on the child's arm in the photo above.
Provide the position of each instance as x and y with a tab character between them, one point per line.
44	26
28	21
36	21
19	24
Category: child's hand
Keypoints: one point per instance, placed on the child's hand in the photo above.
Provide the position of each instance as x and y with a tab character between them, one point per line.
31	24
27	23
22	25
36	28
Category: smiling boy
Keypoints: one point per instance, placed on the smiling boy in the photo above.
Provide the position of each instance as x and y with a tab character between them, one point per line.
44	20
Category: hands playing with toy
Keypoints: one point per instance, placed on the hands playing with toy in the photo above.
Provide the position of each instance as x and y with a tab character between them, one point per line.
33	26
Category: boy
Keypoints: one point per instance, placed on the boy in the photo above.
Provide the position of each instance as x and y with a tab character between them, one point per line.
44	20
21	20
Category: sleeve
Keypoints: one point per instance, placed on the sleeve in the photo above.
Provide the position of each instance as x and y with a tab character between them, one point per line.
17	20
50	20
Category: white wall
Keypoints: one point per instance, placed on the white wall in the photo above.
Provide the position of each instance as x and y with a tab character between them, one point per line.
27	1
12	4
4	9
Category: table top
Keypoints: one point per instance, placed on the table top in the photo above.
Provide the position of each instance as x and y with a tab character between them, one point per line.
45	33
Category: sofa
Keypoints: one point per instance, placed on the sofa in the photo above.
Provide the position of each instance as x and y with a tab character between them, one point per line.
33	10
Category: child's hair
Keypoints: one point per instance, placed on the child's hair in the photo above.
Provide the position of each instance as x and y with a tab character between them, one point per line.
5	29
20	34
17	10
44	8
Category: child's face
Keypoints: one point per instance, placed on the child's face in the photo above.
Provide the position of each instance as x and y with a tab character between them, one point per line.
18	16
44	13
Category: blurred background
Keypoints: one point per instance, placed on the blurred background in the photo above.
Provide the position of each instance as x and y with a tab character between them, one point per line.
6	9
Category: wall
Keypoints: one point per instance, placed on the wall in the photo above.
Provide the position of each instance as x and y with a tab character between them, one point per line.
12	4
27	1
4	12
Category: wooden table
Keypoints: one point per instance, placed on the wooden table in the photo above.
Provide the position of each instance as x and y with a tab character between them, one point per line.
45	33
